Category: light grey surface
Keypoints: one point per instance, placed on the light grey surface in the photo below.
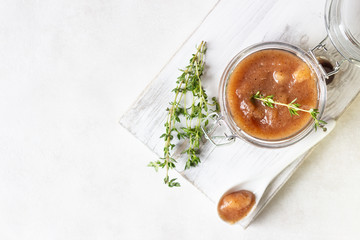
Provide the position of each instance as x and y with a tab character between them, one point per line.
69	70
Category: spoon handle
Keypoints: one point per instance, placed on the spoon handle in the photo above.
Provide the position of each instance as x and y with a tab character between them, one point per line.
311	140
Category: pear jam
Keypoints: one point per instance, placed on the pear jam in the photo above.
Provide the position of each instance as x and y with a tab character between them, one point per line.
271	72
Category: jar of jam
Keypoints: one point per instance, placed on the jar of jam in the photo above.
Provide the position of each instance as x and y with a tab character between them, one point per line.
287	74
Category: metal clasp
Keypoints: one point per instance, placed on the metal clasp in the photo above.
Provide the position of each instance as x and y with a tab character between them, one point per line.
218	121
322	47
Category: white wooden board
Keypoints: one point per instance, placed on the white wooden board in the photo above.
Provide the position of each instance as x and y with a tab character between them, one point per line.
229	28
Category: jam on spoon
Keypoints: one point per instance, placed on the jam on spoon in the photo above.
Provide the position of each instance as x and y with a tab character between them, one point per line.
234	206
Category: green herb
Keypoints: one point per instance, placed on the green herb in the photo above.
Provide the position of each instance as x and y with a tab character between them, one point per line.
293	107
189	85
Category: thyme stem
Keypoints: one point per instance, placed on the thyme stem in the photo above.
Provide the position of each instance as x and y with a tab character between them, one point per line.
188	82
293	107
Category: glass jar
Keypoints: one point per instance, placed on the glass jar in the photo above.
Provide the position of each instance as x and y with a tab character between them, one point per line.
342	44
224	106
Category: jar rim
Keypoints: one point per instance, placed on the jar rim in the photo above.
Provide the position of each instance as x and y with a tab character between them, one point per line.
274	143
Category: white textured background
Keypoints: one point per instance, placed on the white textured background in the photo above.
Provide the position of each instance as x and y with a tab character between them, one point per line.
68	170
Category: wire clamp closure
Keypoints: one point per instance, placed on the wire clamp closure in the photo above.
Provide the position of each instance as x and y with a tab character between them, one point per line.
218	121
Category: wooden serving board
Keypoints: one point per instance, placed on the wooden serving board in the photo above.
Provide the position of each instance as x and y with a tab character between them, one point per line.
230	27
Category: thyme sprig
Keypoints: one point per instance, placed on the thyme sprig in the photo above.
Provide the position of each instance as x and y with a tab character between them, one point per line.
189	85
293	107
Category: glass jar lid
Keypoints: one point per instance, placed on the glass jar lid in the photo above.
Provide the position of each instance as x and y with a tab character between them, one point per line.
342	18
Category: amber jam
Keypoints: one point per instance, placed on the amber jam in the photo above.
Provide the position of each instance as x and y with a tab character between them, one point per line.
272	72
235	206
